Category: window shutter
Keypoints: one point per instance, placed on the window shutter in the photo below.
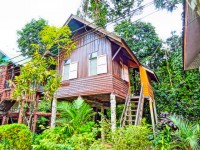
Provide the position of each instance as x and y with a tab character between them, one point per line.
65	74
126	73
73	70
101	64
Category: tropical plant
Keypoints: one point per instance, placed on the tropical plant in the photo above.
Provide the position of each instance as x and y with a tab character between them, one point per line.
187	133
76	113
15	136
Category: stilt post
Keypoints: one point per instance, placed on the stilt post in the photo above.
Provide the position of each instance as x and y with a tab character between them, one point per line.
113	111
53	112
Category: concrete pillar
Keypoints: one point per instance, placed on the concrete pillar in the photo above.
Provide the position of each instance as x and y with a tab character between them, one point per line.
113	111
53	112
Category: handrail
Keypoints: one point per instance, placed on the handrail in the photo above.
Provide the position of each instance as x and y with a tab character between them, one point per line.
124	110
139	106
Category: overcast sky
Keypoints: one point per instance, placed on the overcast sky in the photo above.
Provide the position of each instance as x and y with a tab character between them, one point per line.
14	14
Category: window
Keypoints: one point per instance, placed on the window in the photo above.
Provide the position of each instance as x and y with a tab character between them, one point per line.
97	64
93	64
66	66
124	72
70	70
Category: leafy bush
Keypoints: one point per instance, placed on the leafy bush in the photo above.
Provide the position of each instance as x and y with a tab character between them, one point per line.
131	137
15	136
54	138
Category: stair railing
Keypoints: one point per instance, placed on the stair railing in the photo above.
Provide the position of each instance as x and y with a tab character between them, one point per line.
140	107
124	110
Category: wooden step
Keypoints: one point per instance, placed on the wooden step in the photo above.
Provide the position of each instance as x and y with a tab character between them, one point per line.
135	97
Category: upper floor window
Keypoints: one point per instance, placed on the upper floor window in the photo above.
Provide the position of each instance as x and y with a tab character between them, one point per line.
93	64
124	72
97	64
69	70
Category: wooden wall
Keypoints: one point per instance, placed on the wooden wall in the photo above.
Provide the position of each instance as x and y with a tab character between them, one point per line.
84	48
86	85
146	82
191	39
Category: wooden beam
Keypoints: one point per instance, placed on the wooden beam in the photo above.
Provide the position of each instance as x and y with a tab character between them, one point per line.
116	53
155	111
152	116
35	115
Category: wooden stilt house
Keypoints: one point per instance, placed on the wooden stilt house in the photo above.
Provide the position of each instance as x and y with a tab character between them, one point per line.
9	107
99	70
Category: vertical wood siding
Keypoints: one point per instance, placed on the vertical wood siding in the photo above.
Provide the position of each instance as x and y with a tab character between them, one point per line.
147	88
85	84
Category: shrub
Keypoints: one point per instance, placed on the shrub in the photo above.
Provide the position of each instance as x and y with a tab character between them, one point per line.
131	137
15	136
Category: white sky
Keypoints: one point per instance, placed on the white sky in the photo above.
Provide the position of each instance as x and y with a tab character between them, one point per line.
14	14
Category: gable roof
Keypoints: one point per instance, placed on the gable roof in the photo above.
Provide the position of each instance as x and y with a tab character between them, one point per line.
76	23
72	23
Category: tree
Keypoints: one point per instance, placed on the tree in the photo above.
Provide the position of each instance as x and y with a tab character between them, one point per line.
170	5
102	11
143	40
34	74
178	91
40	71
30	35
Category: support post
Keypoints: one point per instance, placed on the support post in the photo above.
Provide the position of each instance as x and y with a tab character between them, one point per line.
4	120
20	118
113	111
155	111
102	127
35	115
53	112
152	116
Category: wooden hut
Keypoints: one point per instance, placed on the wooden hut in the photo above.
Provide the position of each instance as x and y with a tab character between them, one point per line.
8	70
99	69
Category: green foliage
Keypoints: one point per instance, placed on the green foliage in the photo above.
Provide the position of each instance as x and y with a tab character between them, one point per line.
170	5
131	137
102	11
163	139
34	74
54	138
143	40
30	35
56	39
185	137
187	133
15	136
178	91
76	113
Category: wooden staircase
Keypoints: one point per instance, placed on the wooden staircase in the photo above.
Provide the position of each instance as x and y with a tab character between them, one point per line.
133	110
